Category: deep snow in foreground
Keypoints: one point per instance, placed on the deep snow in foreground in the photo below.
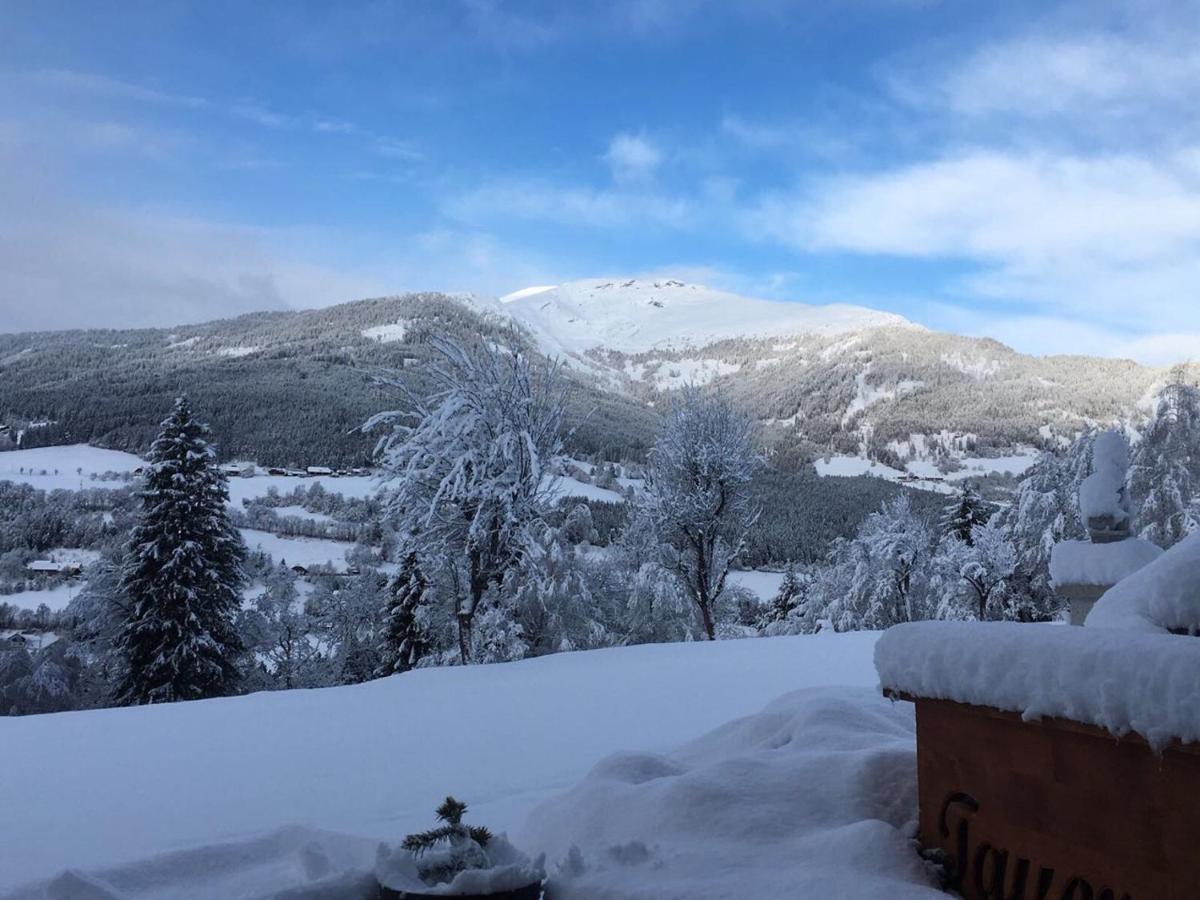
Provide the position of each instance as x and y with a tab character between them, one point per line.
103	787
815	796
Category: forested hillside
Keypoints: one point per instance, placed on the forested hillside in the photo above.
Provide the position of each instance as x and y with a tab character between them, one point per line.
290	388
280	388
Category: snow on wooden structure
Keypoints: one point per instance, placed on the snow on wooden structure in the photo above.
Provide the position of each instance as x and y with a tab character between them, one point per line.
1054	762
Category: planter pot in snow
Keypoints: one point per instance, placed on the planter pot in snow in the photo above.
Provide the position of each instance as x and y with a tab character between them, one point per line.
532	891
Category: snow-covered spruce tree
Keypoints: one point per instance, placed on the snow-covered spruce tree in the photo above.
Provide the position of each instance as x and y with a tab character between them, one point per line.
697	494
183	573
1164	477
964	512
789	596
1044	511
406	637
464	466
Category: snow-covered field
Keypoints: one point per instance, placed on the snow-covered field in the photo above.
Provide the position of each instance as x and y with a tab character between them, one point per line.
109	787
56	598
972	467
297	551
764	585
71	467
65	468
562	486
351	486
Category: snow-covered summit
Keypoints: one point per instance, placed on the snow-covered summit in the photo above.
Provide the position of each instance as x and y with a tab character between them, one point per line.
636	315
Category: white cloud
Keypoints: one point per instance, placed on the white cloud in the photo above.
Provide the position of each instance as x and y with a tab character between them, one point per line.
1036	74
67	265
632	158
1050	334
1114	236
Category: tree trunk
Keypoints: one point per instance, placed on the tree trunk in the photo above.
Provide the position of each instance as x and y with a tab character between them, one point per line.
464	636
706	617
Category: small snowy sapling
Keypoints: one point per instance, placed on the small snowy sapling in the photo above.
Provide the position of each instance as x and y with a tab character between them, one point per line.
464	845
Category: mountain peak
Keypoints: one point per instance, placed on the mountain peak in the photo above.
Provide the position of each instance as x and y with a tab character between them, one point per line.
635	315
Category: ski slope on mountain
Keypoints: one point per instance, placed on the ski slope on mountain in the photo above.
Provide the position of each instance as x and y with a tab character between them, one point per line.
635	316
103	788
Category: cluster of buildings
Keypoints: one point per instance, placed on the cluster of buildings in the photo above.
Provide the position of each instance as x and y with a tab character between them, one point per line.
249	470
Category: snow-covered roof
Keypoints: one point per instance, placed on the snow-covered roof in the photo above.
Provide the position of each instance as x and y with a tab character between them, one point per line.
1164	595
1123	681
1082	562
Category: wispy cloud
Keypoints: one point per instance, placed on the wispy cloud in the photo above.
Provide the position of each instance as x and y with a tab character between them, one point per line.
114	88
575	205
1038	75
244	109
632	158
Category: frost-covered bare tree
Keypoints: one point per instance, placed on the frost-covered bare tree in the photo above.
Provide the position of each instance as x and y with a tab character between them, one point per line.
465	465
698	494
971	578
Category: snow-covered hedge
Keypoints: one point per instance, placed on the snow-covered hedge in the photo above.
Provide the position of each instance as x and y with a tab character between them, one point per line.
1123	681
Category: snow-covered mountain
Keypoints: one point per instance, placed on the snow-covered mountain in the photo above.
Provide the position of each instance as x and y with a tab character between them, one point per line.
637	316
290	388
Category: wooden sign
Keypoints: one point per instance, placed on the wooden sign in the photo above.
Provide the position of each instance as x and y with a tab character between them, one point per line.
1055	810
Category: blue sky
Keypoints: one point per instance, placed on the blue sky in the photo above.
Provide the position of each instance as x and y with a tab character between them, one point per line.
1028	171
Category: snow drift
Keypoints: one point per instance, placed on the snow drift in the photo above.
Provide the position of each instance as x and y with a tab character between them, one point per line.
1163	596
815	796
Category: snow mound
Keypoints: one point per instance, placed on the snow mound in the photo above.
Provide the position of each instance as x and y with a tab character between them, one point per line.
296	862
812	797
1163	596
509	870
1103	492
1122	681
635	316
1082	562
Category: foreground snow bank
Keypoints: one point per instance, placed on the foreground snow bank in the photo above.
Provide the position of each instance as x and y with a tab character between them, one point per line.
815	796
1164	595
92	790
1122	681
